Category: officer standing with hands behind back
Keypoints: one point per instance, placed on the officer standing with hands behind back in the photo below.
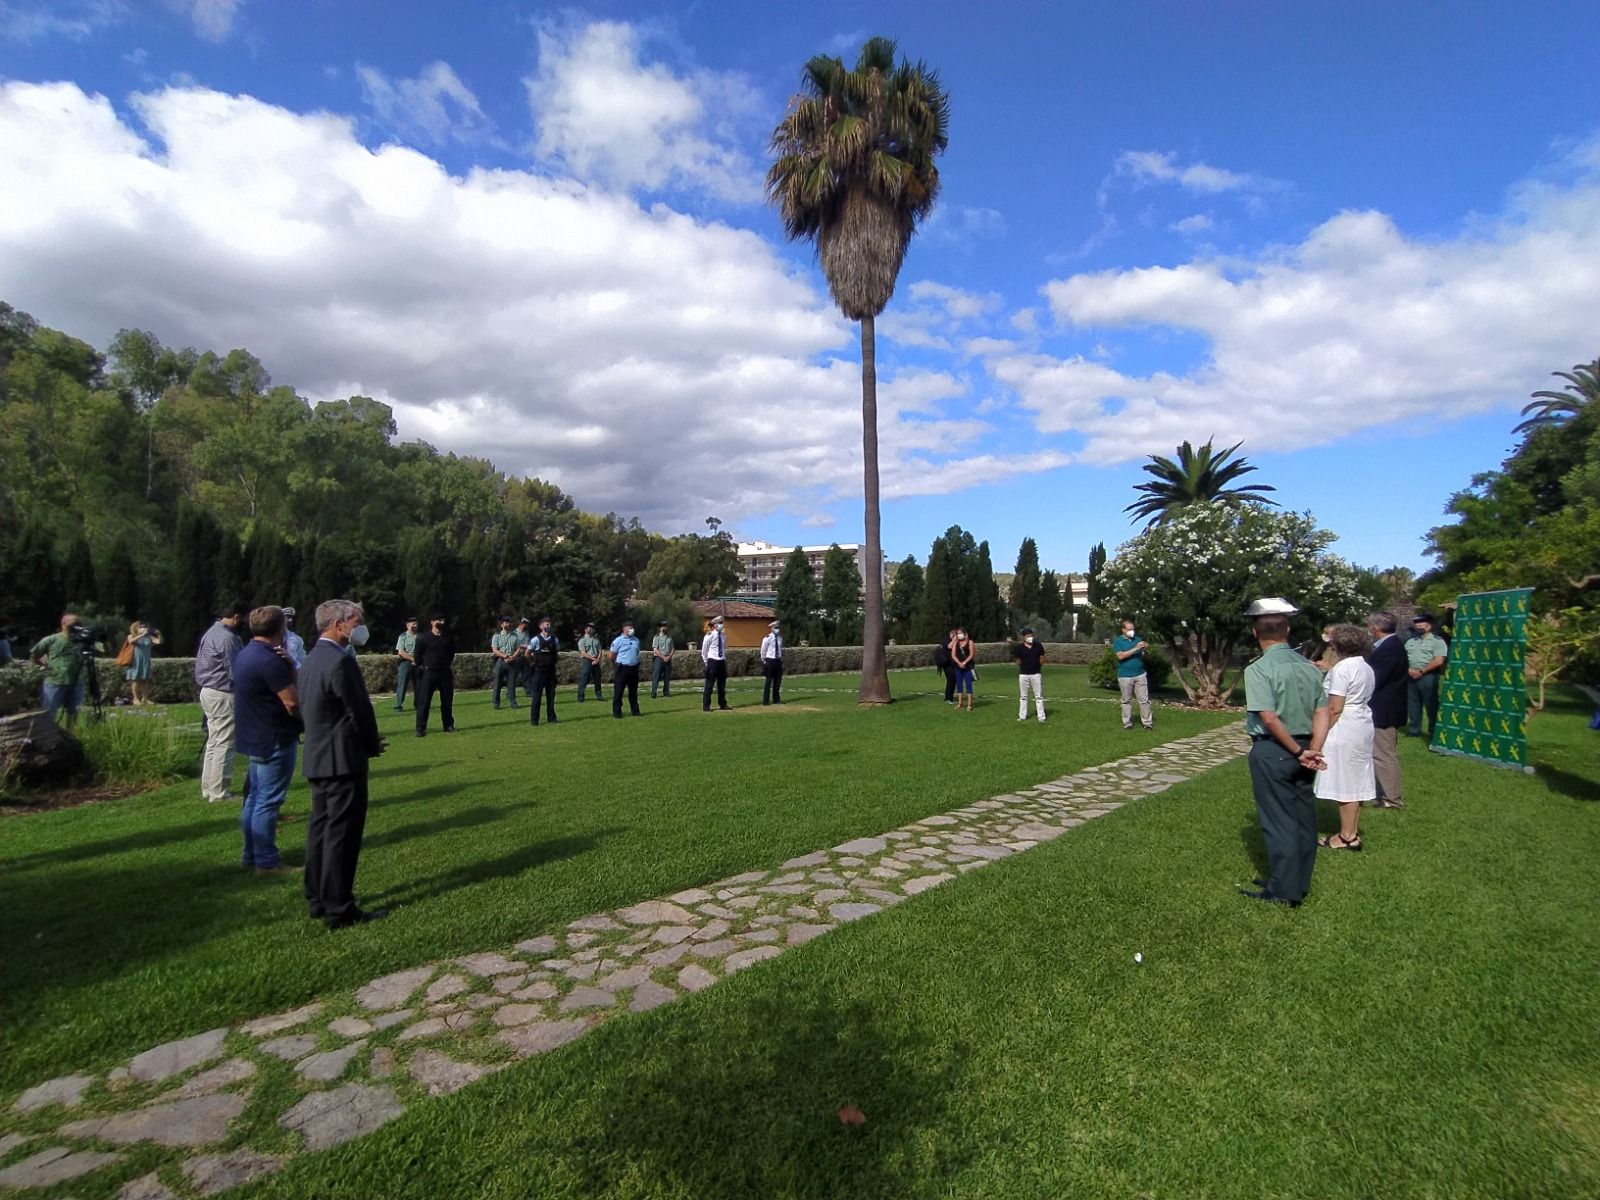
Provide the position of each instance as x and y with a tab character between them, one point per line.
624	655
1287	720
772	666
436	655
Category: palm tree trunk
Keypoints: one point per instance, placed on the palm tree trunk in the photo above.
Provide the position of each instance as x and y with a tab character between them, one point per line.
874	669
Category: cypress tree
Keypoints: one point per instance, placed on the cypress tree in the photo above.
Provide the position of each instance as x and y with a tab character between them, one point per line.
1051	606
840	596
1026	585
905	598
232	582
936	612
196	542
119	586
991	612
77	572
1097	560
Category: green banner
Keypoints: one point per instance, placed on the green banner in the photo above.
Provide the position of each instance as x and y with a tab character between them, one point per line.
1483	697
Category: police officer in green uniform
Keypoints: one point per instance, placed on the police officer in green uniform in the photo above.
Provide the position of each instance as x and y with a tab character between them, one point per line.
589	663
405	653
1426	656
1287	720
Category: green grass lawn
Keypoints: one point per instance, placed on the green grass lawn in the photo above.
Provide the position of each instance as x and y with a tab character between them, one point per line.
130	923
1426	1025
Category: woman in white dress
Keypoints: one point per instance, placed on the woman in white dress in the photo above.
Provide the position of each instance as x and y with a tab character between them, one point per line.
1347	777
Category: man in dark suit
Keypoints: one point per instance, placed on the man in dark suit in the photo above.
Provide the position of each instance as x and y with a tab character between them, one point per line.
341	737
436	656
1387	658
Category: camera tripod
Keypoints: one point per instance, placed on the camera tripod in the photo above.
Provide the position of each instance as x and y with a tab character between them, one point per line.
91	681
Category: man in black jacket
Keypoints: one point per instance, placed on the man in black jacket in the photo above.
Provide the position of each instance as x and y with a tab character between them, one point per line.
1390	673
341	738
436	656
541	653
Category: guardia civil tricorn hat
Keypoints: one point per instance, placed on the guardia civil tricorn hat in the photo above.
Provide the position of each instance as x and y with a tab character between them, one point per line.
1271	606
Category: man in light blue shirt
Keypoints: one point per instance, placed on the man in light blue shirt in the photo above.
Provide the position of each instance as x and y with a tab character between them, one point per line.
624	654
292	641
213	674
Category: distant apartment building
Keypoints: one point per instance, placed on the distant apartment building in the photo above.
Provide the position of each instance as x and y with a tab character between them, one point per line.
763	563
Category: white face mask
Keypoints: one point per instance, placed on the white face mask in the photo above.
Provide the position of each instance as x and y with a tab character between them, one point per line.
359	635
627	633
1128	633
1029	639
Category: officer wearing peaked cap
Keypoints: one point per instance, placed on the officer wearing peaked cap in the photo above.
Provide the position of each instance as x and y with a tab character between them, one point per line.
1287	720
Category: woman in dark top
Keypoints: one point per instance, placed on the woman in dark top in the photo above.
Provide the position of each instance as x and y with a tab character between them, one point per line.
962	654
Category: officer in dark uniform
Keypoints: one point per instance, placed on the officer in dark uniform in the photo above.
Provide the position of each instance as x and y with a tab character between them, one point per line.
1287	720
436	656
541	654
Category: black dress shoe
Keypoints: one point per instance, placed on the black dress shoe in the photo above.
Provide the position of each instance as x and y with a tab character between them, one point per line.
360	918
725	708
1269	898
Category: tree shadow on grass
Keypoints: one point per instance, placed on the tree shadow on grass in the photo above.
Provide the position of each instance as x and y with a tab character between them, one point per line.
414	891
464	819
1565	783
147	839
756	1111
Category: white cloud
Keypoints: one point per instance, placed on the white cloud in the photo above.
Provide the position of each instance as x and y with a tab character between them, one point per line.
434	108
553	327
607	116
1198	223
1158	166
1354	327
212	19
71	19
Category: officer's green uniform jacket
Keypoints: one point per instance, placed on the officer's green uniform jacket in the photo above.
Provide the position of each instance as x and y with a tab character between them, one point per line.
1284	682
589	646
1420	651
662	644
505	642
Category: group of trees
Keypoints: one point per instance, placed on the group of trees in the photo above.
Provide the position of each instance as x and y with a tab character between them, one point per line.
158	483
1535	523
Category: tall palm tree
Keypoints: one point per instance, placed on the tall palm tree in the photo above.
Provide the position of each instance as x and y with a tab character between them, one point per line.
853	171
1551	408
1197	477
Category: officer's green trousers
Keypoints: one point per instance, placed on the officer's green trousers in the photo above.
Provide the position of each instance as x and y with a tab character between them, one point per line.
1286	805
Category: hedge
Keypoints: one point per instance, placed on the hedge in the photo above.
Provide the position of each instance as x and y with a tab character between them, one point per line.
172	679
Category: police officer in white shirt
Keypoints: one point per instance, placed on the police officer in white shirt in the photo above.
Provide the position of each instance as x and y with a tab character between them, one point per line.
714	650
772	666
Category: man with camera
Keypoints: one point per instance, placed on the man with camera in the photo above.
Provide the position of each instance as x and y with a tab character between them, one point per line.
61	655
213	673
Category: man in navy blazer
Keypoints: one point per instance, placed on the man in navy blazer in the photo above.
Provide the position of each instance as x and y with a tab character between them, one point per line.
1390	674
341	737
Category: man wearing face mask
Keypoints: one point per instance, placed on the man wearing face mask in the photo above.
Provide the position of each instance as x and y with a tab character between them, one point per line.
1133	681
436	656
624	654
341	739
1029	653
542	650
714	650
772	666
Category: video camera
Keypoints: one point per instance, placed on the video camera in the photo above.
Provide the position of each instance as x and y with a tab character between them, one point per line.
87	635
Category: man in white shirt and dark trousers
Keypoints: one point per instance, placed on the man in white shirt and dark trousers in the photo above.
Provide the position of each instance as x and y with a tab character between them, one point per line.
772	666
715	652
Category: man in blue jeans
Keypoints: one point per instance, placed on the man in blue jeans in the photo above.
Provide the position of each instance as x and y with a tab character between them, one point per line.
266	724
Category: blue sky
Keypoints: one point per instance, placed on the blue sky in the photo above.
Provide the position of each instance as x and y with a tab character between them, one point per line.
1354	236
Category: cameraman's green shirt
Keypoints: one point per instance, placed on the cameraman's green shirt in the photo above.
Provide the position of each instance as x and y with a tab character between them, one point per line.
63	663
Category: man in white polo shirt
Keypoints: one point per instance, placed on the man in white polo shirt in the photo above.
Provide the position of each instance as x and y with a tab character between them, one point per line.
772	666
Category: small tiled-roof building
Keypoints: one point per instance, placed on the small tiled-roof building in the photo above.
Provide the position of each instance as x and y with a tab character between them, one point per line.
744	622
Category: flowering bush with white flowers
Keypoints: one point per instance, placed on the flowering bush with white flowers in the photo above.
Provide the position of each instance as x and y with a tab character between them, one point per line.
1188	581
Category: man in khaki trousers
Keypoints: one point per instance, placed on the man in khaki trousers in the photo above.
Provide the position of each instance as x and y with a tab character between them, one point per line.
1389	676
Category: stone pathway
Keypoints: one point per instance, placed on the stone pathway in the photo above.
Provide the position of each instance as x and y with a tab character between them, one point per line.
355	1060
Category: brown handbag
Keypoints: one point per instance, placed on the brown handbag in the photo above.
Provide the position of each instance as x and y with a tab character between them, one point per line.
125	655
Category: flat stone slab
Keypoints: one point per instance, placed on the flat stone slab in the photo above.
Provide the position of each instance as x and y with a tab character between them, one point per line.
442	1075
330	1064
865	845
427	1027
174	1058
543	944
444	987
146	1187
980	851
939	820
539	989
547	1035
391	991
657	912
235	1070
691	896
350	1027
671	935
10	1141
327	1118
814	859
749	958
67	1091
291	1048
695	978
626	978
264	1026
489	965
213	1173
382	1064
915	887
599	923
580	998
517	1014
853	912
800	933
197	1121
650	994
55	1165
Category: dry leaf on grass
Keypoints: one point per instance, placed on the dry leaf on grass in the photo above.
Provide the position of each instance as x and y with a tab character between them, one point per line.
849	1114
